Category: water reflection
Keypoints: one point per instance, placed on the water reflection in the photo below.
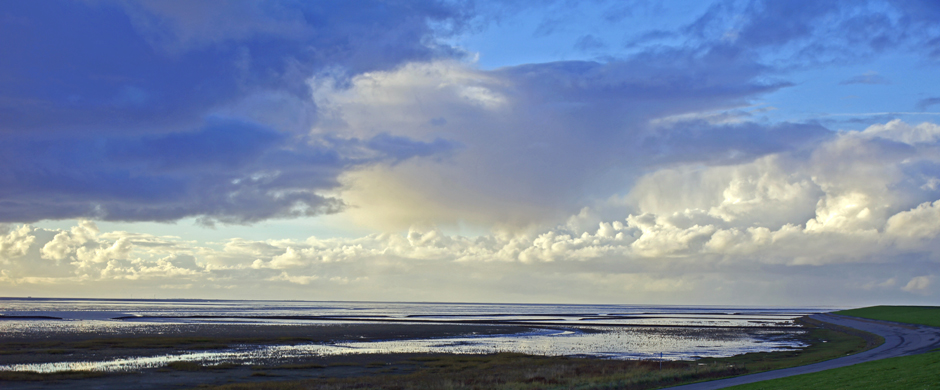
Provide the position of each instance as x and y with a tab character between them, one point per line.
603	342
570	330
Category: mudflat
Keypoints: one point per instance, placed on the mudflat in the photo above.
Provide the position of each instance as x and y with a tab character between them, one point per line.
355	371
319	332
77	344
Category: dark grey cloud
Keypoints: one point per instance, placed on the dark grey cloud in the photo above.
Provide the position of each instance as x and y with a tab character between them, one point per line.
808	33
117	110
702	142
865	78
589	42
648	38
230	171
924	104
152	65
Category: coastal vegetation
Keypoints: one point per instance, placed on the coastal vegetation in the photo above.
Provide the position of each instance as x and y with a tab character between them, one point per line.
921	315
902	373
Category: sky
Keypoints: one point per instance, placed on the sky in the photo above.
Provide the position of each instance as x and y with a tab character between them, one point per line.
551	151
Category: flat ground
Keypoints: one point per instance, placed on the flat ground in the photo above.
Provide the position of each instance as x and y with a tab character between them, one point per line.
398	371
77	345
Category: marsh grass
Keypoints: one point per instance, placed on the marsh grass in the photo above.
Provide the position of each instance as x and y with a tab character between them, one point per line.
826	341
185	366
922	315
300	366
514	371
195	366
901	373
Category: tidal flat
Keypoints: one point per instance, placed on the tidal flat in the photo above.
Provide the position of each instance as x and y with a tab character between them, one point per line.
380	370
101	343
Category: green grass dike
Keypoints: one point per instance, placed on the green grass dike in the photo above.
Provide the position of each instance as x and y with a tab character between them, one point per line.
921	315
903	373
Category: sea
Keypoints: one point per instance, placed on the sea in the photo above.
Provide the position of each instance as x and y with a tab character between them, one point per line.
600	331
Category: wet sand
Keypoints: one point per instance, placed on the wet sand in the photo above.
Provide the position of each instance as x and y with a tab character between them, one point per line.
315	333
337	366
160	339
77	344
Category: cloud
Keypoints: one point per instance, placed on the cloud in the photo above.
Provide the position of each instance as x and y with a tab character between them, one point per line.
800	34
228	171
870	77
917	223
918	284
589	42
860	192
64	243
754	253
535	139
897	130
923	104
174	61
651	175
14	242
163	110
247	111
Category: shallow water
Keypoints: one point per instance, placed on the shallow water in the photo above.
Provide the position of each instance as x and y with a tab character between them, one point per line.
582	334
611	343
611	314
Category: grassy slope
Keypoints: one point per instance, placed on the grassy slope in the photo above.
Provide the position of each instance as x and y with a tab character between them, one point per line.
923	315
903	373
908	372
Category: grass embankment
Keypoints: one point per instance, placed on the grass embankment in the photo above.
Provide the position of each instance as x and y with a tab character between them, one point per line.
922	315
902	373
523	372
827	341
908	372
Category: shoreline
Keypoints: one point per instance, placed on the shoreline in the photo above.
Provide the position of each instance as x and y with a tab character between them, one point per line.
367	367
532	323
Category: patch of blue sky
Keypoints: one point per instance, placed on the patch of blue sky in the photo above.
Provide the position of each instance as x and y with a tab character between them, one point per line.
854	96
571	31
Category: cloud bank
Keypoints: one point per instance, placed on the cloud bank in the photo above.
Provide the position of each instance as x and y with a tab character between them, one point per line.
851	219
156	111
653	172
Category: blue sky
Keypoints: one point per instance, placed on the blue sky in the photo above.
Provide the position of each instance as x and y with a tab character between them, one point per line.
745	152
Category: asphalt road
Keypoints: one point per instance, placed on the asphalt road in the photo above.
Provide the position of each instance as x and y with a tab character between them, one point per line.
900	340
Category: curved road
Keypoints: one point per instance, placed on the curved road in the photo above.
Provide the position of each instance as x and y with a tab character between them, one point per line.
900	340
